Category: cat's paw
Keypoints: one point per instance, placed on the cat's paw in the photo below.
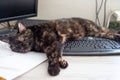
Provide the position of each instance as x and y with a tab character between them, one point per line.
54	70
63	64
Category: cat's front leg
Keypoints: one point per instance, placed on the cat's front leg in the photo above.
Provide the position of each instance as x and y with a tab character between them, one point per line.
58	45
53	52
55	60
53	66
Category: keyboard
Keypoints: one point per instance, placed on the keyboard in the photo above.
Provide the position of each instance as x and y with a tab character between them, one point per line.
91	46
31	22
6	32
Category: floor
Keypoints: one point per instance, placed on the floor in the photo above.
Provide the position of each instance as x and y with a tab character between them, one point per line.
80	68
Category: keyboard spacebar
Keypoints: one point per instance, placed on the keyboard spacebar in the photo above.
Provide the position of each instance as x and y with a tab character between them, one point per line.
86	49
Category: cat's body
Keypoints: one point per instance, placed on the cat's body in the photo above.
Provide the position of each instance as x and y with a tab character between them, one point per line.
49	37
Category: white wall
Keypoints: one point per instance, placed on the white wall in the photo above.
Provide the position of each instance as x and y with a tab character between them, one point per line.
53	9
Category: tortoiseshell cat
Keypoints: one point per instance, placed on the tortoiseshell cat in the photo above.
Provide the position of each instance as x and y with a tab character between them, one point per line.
49	37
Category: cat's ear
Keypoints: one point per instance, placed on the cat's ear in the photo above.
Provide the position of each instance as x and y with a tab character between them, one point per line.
21	27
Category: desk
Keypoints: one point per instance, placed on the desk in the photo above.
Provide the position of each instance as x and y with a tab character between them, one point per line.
80	68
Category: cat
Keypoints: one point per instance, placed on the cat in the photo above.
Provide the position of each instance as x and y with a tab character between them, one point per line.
50	36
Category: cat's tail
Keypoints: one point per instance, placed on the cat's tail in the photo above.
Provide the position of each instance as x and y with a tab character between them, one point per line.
102	32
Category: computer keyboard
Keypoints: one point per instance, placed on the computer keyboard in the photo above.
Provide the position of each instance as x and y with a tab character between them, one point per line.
91	46
31	22
6	32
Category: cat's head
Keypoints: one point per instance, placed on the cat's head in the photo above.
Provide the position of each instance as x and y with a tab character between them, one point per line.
22	41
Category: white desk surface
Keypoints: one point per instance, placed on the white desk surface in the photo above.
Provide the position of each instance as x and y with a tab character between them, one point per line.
80	68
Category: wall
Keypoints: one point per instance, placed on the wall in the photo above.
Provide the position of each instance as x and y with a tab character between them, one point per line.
53	9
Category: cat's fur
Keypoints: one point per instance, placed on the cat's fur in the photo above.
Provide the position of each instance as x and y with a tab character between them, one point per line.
50	36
